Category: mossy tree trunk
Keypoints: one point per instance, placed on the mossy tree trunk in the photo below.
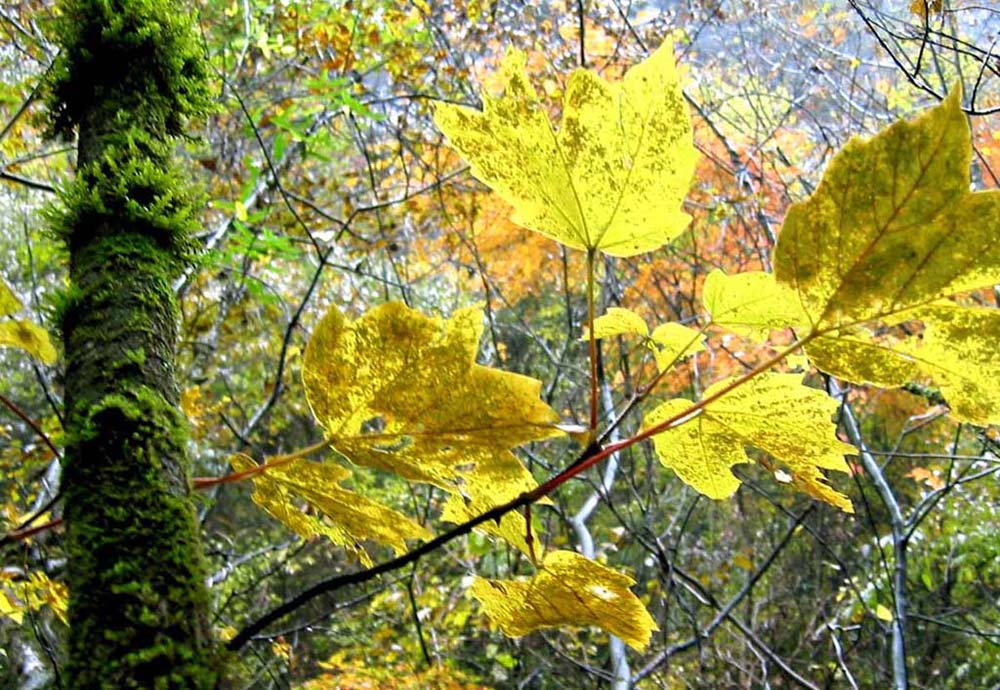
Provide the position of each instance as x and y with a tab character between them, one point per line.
128	76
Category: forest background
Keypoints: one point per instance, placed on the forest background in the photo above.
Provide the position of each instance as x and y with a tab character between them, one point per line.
326	183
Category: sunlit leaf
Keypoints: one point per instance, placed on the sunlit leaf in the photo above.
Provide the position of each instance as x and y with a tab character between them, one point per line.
672	342
772	412
669	342
349	517
36	591
9	303
618	321
892	225
498	481
614	174
752	303
568	590
28	337
401	392
890	232
957	353
21	334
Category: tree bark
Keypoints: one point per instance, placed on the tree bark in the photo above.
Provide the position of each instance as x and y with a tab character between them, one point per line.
128	76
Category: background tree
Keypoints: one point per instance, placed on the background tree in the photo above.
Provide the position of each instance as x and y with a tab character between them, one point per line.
328	185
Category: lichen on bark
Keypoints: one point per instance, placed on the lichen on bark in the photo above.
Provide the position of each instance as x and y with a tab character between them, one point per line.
128	77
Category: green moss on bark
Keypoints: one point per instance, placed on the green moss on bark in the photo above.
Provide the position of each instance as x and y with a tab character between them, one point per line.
128	76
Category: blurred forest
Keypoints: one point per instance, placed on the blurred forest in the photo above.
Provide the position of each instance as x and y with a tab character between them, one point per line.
326	183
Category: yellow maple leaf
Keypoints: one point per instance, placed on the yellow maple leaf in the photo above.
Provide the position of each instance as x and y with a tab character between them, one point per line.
892	225
400	391
618	321
22	334
669	342
772	412
492	483
957	352
612	178
751	303
351	517
568	590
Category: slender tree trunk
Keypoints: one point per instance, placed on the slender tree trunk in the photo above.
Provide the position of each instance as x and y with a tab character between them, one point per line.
128	75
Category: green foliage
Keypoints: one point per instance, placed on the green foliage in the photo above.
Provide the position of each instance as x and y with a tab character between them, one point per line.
136	57
135	185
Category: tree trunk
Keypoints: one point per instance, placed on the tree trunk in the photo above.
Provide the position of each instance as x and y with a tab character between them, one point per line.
128	76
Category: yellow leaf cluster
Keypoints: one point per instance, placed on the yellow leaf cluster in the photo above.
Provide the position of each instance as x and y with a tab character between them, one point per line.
669	342
401	392
890	234
32	593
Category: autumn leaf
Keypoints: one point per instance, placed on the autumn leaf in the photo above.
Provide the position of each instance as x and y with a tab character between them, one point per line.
672	342
957	353
32	593
493	483
612	178
568	590
890	233
351	518
751	303
922	8
22	334
892	225
618	321
669	342
9	303
400	391
772	412
926	476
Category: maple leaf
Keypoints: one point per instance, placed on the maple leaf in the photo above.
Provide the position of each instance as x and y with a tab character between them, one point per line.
751	303
669	342
892	224
618	321
400	391
23	334
672	342
772	412
494	483
612	178
890	233
351	517
568	590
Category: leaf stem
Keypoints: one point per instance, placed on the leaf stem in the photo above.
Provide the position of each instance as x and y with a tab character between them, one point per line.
12	406
276	461
592	341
